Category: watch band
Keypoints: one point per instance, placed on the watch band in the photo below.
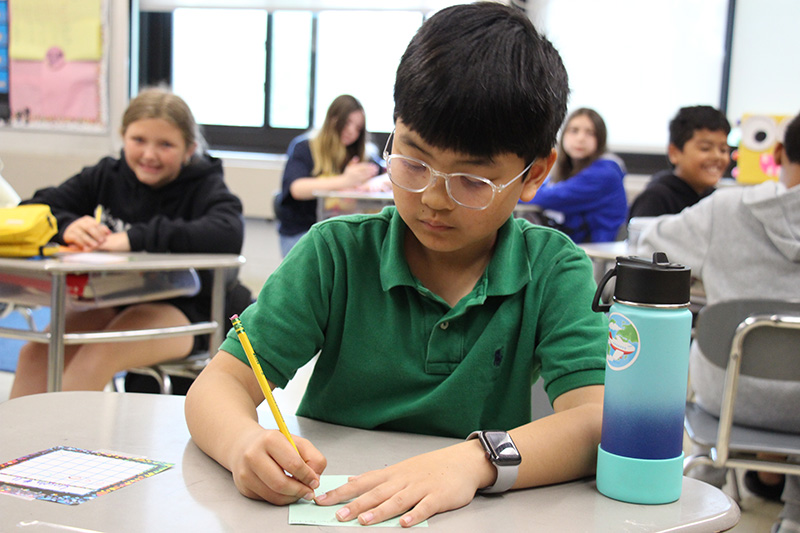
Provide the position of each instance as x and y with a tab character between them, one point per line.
506	473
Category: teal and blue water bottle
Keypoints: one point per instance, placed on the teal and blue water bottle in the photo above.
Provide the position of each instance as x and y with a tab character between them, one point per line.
640	459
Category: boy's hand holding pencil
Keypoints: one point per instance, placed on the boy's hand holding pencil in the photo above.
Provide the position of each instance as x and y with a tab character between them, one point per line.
272	450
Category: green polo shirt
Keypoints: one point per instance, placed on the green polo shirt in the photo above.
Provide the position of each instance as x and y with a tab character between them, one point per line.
393	355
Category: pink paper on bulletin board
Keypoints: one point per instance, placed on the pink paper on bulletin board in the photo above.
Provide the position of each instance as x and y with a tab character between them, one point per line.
66	91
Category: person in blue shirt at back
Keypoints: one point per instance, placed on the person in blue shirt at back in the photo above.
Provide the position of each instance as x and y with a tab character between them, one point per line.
585	185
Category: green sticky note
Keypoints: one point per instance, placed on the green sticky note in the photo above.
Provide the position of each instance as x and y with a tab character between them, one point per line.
304	512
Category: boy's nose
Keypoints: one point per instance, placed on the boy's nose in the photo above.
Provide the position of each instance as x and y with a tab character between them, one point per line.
435	196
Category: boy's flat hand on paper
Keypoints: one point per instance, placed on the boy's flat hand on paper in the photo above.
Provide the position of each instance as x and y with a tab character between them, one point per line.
416	488
260	467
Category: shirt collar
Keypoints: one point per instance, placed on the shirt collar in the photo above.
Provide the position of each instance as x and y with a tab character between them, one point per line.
508	271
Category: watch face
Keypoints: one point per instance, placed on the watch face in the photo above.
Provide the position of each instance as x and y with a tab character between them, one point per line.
502	448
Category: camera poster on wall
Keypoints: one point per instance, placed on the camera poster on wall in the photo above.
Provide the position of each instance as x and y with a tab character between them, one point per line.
56	66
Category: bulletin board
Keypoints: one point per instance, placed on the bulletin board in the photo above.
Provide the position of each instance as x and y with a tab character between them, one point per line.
54	65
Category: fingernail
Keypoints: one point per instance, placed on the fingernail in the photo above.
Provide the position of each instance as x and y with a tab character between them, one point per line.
343	513
309	496
314	484
405	520
366	518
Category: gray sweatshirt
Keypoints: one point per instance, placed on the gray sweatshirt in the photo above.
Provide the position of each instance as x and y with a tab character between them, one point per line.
742	242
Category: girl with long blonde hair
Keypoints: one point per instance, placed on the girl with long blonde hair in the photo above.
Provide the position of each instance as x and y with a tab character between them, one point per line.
333	159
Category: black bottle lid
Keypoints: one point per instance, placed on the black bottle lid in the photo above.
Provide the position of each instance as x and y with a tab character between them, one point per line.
656	282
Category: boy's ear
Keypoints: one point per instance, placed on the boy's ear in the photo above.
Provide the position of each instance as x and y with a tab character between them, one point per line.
673	153
778	154
536	175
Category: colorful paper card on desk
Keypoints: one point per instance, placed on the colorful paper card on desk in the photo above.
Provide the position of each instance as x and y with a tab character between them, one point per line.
304	512
71	475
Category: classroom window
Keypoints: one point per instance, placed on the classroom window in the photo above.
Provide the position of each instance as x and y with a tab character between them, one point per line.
358	53
218	90
290	80
255	79
635	62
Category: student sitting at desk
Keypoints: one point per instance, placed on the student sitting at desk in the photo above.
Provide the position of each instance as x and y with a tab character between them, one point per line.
586	183
335	158
434	316
699	154
162	195
744	242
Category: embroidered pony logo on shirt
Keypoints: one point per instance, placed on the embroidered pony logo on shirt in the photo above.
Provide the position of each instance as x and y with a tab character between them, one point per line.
498	358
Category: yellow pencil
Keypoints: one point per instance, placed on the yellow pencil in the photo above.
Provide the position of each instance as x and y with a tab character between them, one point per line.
98	213
262	379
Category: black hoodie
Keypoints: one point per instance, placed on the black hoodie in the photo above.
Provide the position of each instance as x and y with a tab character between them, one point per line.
195	213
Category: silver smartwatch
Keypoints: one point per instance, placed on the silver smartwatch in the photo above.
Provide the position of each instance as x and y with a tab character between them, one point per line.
503	454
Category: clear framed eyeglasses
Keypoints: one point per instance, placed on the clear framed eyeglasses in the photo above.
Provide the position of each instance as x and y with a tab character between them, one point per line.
467	190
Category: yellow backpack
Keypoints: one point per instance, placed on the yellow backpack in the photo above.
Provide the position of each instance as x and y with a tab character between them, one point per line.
25	230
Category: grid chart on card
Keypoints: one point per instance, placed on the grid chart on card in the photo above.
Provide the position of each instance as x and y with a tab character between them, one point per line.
71	475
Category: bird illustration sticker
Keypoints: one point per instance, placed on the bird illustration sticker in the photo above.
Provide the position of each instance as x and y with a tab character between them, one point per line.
623	342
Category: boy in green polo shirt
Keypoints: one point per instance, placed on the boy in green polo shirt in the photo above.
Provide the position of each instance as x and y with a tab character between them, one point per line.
434	316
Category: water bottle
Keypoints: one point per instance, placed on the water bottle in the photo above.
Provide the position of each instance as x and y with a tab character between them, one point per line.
640	458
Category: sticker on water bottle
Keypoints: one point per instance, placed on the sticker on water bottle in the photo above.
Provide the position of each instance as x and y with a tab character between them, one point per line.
623	342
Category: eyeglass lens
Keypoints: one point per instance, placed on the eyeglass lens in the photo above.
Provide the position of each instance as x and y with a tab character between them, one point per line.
413	176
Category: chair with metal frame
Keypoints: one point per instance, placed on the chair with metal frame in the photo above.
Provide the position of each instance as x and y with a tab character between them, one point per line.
757	338
237	298
163	373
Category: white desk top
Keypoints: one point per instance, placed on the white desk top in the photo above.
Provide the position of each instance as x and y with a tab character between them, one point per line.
384	196
607	251
132	261
44	282
199	495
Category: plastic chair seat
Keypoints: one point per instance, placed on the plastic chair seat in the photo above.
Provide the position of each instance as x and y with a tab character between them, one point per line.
189	367
758	338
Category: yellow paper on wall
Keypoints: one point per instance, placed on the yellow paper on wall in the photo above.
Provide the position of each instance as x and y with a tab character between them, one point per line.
71	29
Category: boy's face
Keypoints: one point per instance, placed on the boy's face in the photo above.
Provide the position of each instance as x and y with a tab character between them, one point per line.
436	220
703	159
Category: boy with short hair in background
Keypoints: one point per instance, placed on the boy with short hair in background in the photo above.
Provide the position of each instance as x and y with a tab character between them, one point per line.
699	154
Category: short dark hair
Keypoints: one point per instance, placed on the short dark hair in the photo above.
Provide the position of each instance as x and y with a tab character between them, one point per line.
791	140
479	79
693	118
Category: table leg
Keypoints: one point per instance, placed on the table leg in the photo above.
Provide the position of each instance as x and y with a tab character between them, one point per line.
217	310
320	208
55	353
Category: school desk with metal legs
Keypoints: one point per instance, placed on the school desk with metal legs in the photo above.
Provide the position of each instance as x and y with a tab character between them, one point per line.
197	494
84	281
